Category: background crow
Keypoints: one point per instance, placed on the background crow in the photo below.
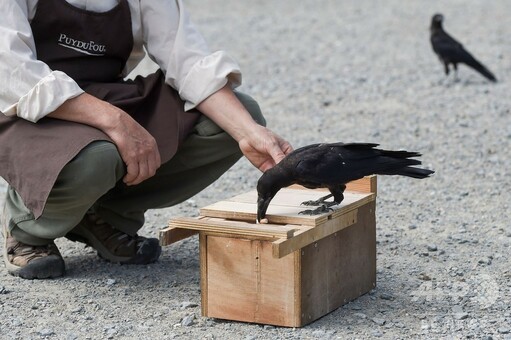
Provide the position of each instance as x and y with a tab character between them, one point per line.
332	166
452	52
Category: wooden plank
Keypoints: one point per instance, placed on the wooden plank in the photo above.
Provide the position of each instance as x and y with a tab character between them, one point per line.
285	208
276	214
307	236
233	227
339	267
171	235
245	283
203	255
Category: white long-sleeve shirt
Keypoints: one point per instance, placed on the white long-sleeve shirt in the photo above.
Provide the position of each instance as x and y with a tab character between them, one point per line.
30	90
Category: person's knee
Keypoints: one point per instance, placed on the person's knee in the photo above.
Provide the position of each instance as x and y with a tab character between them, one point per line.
95	169
252	107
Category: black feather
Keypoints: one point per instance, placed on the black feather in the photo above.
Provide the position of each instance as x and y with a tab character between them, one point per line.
332	166
451	52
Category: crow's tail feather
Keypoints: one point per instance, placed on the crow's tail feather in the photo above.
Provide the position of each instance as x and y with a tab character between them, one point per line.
410	171
400	154
402	164
476	65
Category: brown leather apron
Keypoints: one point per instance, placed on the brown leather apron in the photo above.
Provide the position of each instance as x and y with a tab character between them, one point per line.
92	48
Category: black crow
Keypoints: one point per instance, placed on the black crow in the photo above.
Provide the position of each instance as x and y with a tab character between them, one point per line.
451	51
332	166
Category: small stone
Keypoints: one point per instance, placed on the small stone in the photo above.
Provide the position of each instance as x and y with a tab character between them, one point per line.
188	320
360	315
46	332
3	290
412	226
77	309
424	277
386	296
267	327
485	260
432	247
378	321
111	282
503	330
377	333
461	315
188	304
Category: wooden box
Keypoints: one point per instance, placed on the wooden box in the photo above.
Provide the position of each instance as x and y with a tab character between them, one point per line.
291	271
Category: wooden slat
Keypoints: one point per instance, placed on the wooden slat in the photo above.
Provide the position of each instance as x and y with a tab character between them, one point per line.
233	227
245	283
285	207
309	235
171	235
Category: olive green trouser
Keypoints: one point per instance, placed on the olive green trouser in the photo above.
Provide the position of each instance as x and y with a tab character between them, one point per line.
92	180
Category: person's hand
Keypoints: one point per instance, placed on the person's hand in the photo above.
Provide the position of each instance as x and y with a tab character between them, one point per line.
263	148
137	148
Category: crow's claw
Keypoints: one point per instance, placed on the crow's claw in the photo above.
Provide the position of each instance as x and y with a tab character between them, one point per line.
323	208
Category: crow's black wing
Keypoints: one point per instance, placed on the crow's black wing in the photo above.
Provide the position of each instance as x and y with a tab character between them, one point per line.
334	164
448	48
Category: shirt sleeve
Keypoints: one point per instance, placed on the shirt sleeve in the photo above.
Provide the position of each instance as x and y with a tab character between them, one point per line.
173	42
30	89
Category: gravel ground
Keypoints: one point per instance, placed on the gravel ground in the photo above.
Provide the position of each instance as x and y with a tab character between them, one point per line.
334	71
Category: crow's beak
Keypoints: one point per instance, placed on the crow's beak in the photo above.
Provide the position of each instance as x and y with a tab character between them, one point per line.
262	206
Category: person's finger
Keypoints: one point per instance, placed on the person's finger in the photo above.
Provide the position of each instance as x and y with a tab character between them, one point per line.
143	172
131	172
276	153
154	161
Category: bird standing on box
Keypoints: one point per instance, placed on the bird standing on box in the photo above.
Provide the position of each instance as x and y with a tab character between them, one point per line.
451	51
332	166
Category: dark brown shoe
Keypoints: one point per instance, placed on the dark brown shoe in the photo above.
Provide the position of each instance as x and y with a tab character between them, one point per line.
31	262
114	245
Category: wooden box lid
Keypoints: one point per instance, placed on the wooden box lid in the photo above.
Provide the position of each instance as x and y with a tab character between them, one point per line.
287	229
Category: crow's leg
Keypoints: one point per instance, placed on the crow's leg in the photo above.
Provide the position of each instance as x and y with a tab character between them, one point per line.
319	201
446	68
323	208
456	79
336	192
445	80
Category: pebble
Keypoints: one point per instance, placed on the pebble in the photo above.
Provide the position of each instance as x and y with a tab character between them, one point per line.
46	332
485	260
504	330
3	290
111	282
432	247
424	277
461	315
378	321
385	296
188	320
360	315
377	333
188	304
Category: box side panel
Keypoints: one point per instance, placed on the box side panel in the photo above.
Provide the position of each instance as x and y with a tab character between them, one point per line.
340	267
277	293
231	279
245	283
